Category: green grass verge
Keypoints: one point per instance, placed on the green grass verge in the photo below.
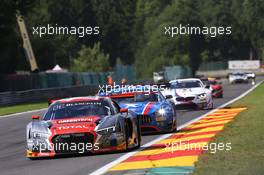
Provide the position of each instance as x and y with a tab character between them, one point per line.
246	134
22	108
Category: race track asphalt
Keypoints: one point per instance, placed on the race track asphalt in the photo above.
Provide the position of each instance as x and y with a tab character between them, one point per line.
13	133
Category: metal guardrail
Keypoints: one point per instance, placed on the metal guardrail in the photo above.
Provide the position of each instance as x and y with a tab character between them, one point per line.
36	95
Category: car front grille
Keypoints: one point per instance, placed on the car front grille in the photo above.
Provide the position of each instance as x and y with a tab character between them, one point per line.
144	119
184	98
62	143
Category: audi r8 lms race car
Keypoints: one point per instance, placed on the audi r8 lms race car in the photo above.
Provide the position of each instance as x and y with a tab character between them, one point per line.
82	125
155	113
189	92
215	87
238	77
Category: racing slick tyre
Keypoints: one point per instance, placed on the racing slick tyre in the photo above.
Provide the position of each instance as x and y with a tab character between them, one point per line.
126	135
139	135
174	124
211	106
174	127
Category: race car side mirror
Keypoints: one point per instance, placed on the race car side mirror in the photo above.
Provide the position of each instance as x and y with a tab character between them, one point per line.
122	110
35	117
168	96
207	86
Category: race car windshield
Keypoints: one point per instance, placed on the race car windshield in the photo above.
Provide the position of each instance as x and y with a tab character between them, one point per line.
185	84
77	109
239	74
141	97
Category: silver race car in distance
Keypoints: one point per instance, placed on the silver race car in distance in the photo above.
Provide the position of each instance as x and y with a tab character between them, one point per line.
189	92
238	77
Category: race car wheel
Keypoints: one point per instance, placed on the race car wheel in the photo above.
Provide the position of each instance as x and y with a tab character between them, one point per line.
126	132
174	126
139	135
211	106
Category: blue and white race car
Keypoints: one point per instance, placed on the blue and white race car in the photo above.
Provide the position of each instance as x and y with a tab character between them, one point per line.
155	113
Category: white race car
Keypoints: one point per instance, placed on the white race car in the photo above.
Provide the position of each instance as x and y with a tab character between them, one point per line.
189	92
250	75
158	77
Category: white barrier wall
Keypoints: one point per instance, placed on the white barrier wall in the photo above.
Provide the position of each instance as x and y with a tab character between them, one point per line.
244	64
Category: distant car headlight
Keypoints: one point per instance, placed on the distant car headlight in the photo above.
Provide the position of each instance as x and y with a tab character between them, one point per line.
202	96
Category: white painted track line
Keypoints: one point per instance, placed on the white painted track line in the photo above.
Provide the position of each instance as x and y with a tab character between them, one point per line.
21	113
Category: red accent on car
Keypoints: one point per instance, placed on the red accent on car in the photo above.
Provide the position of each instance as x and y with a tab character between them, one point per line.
35	117
148	107
124	110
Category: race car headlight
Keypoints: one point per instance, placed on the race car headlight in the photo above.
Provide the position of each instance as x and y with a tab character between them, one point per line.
106	130
160	115
202	96
161	111
39	135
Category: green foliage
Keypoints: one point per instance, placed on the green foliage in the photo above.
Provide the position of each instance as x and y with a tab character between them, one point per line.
116	20
91	60
205	55
132	32
119	61
169	51
10	51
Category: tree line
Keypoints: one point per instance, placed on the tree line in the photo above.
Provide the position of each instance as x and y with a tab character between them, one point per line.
131	33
